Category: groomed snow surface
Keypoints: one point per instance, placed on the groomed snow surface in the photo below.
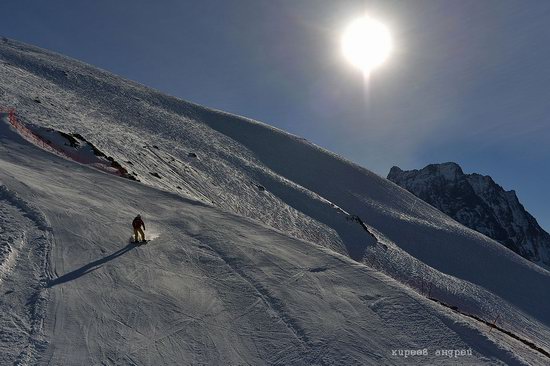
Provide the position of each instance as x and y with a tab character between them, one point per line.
262	248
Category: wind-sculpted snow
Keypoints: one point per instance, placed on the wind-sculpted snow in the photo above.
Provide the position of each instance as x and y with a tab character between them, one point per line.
261	241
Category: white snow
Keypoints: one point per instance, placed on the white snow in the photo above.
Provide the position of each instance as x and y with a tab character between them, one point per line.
234	274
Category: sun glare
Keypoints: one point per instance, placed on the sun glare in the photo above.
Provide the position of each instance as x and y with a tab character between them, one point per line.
366	43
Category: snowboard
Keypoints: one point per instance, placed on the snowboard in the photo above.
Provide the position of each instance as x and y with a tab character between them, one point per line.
138	242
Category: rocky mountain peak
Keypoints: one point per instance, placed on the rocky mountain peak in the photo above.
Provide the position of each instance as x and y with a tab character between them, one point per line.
479	203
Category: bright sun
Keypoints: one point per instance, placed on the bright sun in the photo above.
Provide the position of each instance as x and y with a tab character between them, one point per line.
366	43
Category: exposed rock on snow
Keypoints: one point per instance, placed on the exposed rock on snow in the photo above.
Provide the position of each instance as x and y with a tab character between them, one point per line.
477	202
69	145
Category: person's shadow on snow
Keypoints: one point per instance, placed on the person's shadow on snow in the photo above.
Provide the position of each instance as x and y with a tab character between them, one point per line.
92	266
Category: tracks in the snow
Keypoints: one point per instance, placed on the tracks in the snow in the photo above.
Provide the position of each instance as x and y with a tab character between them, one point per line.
25	238
310	352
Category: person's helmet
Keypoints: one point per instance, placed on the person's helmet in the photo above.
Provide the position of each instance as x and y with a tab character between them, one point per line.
139	216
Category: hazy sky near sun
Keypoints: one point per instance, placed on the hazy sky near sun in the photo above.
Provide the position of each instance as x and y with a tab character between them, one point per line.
469	80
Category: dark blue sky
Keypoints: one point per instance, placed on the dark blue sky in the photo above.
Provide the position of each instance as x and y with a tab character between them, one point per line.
469	80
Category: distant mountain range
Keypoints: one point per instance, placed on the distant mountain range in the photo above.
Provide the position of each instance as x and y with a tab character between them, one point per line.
479	203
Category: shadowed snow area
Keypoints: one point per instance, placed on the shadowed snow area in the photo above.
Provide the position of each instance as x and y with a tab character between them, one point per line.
266	249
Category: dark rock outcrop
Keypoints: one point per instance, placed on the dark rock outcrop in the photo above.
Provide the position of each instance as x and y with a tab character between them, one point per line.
479	203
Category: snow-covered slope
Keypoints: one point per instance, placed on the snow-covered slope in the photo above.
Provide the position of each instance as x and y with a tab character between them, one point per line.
477	202
263	252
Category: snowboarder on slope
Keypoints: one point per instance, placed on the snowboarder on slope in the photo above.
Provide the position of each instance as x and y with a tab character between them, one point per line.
137	224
